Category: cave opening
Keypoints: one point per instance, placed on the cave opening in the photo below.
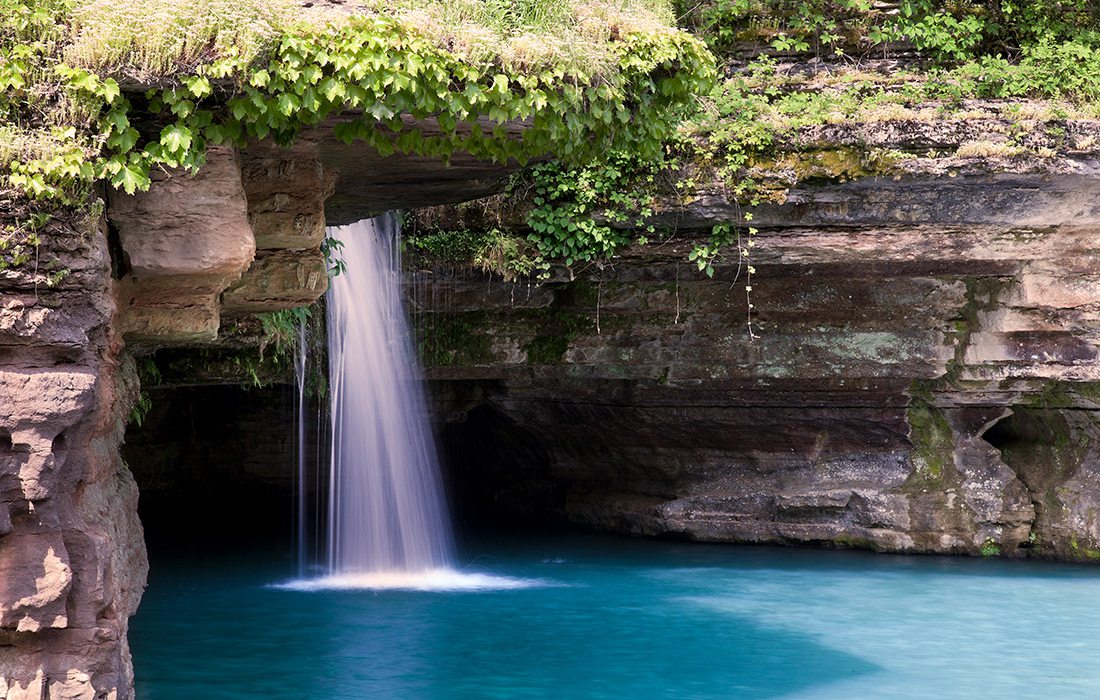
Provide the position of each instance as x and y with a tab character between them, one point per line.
218	464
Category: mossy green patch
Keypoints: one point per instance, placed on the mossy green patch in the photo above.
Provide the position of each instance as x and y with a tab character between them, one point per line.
556	332
825	166
933	441
853	542
455	339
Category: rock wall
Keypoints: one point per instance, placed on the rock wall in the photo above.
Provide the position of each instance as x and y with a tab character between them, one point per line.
925	374
72	557
177	267
924	379
154	272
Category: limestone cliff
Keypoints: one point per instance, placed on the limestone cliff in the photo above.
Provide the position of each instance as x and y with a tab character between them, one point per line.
925	377
72	555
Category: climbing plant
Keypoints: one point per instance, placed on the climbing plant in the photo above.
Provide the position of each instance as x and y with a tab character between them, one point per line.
578	212
382	75
381	78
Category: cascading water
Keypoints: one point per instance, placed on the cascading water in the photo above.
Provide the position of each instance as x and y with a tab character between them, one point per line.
387	512
300	366
388	525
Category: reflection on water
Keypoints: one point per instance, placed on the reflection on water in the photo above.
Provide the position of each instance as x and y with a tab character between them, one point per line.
613	618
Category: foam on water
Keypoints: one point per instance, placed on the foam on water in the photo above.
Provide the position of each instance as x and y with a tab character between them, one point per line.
435	580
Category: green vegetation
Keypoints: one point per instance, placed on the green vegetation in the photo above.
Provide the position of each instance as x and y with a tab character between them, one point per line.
491	250
578	212
943	31
585	77
933	441
629	105
746	132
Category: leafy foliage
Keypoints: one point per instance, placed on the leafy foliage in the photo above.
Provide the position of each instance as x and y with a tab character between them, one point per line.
65	124
578	211
954	30
388	73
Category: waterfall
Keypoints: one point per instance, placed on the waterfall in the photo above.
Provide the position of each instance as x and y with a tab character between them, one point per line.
387	522
386	509
300	367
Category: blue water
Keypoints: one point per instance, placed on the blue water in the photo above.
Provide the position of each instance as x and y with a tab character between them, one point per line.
613	618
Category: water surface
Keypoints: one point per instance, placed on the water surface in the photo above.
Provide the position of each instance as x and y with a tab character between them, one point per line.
600	617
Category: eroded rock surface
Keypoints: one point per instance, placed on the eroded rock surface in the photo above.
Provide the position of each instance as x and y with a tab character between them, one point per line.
921	380
72	556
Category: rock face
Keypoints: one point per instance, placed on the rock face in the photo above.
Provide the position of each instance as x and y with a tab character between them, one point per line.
924	379
924	376
72	556
152	274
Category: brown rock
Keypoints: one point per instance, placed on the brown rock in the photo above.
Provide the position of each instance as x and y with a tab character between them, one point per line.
185	241
278	280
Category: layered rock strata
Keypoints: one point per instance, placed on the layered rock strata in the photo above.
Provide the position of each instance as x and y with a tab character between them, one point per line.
924	376
72	557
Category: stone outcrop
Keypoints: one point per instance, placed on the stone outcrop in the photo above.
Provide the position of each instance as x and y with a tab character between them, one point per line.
184	241
924	376
168	268
924	379
72	555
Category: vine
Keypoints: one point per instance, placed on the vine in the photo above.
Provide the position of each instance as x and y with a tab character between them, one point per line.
385	74
579	212
379	78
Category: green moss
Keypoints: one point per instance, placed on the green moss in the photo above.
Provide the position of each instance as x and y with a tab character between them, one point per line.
827	165
556	332
932	438
460	339
1082	552
1061	395
982	294
546	349
853	542
990	548
1054	395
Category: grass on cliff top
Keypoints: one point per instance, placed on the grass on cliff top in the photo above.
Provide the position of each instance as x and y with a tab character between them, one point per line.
149	39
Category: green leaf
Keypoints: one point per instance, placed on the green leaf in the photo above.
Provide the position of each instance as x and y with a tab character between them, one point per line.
176	138
110	90
199	86
130	179
287	104
260	79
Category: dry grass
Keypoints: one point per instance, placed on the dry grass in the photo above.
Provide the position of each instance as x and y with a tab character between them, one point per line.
146	39
25	144
988	149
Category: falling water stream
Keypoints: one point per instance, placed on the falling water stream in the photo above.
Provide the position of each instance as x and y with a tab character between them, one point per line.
387	524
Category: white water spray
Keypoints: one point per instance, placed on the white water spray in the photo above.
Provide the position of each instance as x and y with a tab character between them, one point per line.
387	512
388	525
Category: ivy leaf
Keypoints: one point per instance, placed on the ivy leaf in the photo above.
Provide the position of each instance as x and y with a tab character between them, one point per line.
110	90
118	120
123	141
260	79
199	86
176	138
287	104
380	111
332	89
130	179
